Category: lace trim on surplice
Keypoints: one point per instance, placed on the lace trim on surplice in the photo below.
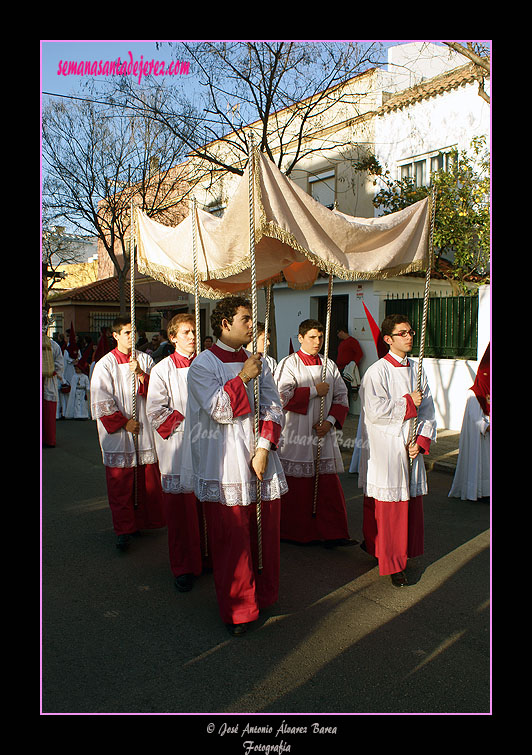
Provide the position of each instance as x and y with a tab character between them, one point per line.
271	414
126	459
104	408
239	494
159	416
308	468
223	411
402	493
171	483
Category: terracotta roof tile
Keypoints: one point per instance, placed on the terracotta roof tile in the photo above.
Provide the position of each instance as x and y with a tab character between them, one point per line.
105	290
437	85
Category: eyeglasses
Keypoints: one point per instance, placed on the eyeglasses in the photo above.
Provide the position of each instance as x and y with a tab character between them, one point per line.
404	333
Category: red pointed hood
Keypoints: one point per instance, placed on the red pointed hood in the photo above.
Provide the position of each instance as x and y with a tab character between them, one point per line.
380	345
72	347
481	386
103	345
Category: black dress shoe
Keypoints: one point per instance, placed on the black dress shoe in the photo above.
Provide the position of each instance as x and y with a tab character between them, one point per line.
122	542
237	629
184	582
399	579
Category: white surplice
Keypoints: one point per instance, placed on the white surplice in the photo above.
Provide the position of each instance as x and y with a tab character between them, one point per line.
299	442
111	391
78	405
472	476
67	372
218	447
168	393
384	472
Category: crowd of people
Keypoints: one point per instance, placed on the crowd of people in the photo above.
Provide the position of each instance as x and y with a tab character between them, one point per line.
189	457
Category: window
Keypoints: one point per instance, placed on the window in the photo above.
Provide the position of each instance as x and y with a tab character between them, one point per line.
322	188
420	172
441	161
419	168
57	325
99	320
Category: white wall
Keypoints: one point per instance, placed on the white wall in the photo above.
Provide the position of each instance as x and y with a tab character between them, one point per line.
410	63
446	120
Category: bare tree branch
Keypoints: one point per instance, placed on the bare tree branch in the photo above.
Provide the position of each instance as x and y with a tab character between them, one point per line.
469	52
96	159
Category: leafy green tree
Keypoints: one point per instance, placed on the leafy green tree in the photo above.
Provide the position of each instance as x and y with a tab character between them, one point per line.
462	223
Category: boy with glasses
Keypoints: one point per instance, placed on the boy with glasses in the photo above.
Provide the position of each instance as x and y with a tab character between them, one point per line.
392	472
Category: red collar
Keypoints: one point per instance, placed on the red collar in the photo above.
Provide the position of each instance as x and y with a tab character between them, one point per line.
120	357
229	356
395	362
181	361
308	359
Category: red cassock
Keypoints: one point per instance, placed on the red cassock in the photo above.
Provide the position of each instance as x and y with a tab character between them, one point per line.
219	440
296	376
166	410
49	409
111	406
393	531
393	528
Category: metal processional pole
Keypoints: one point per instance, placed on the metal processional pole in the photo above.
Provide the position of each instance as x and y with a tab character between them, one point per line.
133	341
268	296
197	324
322	399
251	187
413	421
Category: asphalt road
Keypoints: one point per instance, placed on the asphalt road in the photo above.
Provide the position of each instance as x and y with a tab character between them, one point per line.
118	638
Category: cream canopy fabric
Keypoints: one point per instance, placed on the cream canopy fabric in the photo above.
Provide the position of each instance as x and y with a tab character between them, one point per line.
294	235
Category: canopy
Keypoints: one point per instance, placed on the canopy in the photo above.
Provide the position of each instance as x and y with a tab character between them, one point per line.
294	235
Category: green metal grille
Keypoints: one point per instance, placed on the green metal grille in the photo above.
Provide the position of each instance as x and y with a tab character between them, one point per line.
452	324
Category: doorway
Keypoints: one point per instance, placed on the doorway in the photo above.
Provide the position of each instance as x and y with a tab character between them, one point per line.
339	317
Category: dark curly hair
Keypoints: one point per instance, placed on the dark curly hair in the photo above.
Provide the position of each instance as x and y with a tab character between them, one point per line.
226	309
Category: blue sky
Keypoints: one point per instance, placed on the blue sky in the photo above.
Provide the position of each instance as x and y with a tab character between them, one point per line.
52	52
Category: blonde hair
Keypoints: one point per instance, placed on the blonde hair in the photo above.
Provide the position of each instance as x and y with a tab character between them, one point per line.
177	320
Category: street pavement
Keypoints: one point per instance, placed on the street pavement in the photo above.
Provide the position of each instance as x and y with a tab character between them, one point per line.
118	638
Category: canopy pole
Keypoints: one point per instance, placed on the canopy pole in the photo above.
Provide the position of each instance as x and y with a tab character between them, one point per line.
413	421
251	187
133	341
196	276
268	295
322	399
197	331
